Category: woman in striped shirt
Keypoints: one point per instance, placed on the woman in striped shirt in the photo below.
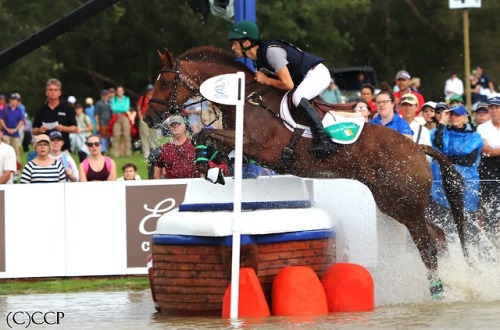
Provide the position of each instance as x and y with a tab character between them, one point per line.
43	169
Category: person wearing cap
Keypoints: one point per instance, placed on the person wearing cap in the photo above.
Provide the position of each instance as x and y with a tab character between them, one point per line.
481	114
284	66
463	147
8	164
409	105
177	157
403	80
455	99
42	169
103	115
149	136
440	108
332	93
453	86
388	117
11	121
70	167
85	128
428	111
489	168
55	115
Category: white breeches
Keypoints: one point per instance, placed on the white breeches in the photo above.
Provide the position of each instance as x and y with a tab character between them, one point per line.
314	83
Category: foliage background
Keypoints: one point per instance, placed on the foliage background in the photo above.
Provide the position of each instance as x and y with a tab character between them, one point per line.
118	46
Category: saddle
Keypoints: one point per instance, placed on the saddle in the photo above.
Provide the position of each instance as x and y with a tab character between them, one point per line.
322	108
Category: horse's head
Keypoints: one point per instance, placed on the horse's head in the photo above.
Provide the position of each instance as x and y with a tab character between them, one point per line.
174	86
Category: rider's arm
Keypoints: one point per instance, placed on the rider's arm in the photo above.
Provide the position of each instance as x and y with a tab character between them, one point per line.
284	81
277	59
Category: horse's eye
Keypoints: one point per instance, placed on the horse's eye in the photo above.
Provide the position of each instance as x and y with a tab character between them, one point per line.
165	82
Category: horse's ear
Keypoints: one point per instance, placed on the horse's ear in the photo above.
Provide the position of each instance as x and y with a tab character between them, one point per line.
166	58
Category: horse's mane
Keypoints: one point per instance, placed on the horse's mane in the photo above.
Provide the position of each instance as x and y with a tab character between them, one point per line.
210	54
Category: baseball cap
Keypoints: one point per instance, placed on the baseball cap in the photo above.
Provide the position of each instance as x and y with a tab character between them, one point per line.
440	106
89	101
456	98
480	106
403	74
430	104
494	100
410	99
71	99
14	96
174	119
104	91
2	96
150	87
55	135
40	138
459	110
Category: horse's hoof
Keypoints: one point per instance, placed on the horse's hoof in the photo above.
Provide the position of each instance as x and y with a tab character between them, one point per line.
437	289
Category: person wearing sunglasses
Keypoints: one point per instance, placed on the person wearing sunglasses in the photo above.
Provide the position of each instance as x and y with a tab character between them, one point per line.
97	167
286	67
408	108
364	109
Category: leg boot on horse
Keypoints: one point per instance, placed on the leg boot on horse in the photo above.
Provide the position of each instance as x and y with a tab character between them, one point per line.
323	145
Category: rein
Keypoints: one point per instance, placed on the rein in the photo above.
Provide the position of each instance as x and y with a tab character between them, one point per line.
255	98
172	107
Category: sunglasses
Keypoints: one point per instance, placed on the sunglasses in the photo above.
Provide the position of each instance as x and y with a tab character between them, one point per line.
93	144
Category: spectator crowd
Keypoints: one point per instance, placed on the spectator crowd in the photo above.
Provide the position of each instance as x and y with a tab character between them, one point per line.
73	141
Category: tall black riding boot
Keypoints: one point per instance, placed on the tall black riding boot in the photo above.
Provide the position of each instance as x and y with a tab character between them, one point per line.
323	145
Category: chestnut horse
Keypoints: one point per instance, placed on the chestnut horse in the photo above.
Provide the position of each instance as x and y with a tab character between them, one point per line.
392	166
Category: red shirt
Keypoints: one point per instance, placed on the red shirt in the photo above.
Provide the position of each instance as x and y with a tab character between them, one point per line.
420	98
178	161
142	104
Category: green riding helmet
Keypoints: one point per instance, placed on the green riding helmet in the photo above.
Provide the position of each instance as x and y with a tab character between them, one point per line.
244	30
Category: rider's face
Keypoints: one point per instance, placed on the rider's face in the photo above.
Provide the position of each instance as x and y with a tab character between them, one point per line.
236	48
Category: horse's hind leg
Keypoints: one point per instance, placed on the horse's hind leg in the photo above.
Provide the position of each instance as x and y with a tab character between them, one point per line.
422	239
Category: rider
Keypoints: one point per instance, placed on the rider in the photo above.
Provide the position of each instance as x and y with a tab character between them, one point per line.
293	68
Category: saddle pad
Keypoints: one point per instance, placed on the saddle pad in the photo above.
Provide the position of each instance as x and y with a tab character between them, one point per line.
342	129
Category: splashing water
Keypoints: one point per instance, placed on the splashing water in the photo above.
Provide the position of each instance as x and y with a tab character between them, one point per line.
401	277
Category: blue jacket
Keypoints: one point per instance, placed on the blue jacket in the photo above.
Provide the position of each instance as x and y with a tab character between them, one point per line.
397	123
299	62
464	149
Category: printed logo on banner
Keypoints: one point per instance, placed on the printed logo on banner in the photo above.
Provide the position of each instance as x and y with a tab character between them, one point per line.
144	206
221	85
2	231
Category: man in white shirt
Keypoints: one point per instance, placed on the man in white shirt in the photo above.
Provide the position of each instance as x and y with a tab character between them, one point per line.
409	104
8	163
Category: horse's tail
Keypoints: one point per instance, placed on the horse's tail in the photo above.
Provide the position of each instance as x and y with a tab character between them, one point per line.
454	189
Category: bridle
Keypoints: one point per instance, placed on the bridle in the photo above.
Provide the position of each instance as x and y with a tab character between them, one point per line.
172	107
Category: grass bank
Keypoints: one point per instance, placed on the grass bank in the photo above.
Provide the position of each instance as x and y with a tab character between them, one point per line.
71	284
